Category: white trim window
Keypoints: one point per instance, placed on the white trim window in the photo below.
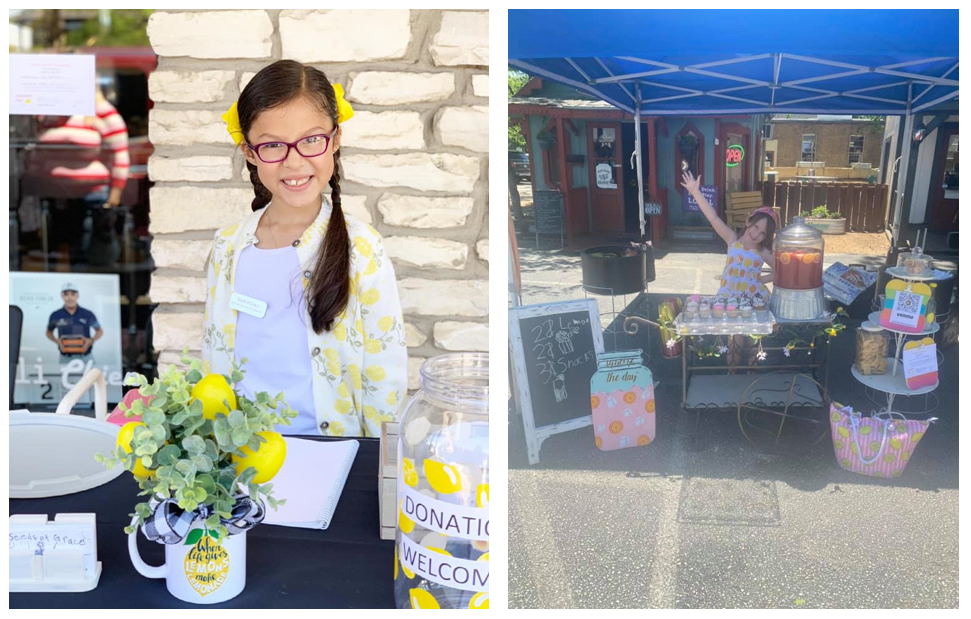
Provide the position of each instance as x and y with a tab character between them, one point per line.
808	147
856	149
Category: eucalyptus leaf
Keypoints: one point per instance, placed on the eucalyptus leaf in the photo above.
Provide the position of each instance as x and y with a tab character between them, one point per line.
237	419
247	476
179	418
184	466
194	445
147	461
241	436
224	506
196	408
199	494
203	463
237	377
212	521
206	482
146	448
154	416
158	433
168	455
254	493
266	488
193	376
143	509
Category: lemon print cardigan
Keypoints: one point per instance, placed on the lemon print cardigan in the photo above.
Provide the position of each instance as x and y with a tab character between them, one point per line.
360	366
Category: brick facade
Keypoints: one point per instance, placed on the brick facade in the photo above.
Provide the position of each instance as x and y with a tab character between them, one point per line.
414	160
832	142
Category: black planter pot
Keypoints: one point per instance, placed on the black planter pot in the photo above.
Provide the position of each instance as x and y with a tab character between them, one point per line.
611	273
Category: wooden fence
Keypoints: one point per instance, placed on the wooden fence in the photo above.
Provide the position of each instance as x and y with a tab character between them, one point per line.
863	206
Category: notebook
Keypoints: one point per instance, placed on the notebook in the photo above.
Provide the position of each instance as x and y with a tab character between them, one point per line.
311	480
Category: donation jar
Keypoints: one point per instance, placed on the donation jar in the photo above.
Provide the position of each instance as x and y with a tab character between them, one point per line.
798	257
442	537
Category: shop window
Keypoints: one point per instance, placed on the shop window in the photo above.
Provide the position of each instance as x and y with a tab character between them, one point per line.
951	165
808	147
689	153
856	149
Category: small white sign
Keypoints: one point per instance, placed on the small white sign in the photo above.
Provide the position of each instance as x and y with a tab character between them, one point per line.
906	309
605	176
247	305
63	549
52	84
919	360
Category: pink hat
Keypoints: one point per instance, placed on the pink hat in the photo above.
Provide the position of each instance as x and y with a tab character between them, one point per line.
768	210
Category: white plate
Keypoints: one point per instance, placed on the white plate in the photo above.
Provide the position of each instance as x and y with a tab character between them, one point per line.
53	455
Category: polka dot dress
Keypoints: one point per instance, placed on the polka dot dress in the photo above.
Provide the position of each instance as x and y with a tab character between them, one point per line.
741	275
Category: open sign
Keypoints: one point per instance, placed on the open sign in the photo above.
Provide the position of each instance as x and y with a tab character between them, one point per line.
734	155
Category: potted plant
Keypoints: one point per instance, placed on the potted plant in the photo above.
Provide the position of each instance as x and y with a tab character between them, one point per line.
202	453
826	221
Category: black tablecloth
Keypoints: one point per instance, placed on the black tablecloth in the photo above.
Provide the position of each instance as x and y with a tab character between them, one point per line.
345	566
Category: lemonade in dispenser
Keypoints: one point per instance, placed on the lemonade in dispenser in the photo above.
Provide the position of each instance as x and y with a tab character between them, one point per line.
797	282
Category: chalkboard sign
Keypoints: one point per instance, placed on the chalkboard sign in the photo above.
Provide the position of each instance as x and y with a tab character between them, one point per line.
555	348
688	203
548	210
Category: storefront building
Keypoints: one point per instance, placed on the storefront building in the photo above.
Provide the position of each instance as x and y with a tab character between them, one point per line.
583	149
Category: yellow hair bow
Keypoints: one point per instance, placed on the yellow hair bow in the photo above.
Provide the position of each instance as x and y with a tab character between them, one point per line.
231	117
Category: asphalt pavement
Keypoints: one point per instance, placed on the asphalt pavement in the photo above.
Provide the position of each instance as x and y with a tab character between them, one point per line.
701	518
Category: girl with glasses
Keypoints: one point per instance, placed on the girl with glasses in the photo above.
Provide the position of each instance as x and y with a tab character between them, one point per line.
303	292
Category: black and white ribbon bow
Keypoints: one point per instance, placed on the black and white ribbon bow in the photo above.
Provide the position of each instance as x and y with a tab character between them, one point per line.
169	523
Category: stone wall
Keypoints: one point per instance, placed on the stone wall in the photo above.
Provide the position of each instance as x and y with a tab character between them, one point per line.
415	160
832	142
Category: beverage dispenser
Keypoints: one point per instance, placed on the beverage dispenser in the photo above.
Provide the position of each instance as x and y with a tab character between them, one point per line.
797	291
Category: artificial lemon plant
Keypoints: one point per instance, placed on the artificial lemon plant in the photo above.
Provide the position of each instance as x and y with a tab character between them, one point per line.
199	440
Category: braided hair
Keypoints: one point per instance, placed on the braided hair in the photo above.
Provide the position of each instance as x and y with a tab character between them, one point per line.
278	84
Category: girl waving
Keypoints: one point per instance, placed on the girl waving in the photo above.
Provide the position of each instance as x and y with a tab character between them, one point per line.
303	292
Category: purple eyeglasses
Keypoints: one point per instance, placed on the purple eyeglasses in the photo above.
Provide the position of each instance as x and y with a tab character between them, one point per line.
278	150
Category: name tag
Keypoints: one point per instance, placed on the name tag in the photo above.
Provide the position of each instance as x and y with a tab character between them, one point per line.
247	305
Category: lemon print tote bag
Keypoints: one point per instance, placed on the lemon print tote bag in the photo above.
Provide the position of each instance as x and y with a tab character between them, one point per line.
878	446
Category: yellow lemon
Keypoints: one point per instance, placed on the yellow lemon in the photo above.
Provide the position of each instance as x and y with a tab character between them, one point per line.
443	478
888	458
916	437
905	456
370	296
211	391
410	473
267	459
482	495
853	448
866	430
480	601
843	432
895	443
838	443
874	446
422	599
406	524
484	557
125	436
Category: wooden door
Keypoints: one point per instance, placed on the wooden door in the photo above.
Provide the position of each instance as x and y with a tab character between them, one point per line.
944	190
732	158
606	176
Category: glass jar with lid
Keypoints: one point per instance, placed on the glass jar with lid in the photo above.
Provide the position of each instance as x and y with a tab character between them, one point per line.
798	257
915	262
442	537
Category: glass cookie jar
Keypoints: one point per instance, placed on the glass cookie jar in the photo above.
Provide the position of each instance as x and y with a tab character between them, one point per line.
442	536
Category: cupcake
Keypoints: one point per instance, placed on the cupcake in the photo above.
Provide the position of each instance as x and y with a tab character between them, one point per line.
745	307
691	307
704	309
731	308
758	304
718	308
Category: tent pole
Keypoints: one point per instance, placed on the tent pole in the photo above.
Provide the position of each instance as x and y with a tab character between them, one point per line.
637	151
906	135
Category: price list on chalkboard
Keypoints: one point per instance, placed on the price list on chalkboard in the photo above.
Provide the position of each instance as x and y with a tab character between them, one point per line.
560	359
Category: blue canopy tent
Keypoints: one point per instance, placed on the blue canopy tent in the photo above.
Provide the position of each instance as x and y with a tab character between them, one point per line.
684	62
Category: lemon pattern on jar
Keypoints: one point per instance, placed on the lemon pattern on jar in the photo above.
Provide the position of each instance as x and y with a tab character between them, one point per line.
422	599
410	472
482	495
443	478
480	601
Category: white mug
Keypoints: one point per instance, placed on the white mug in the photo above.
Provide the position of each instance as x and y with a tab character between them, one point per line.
202	573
